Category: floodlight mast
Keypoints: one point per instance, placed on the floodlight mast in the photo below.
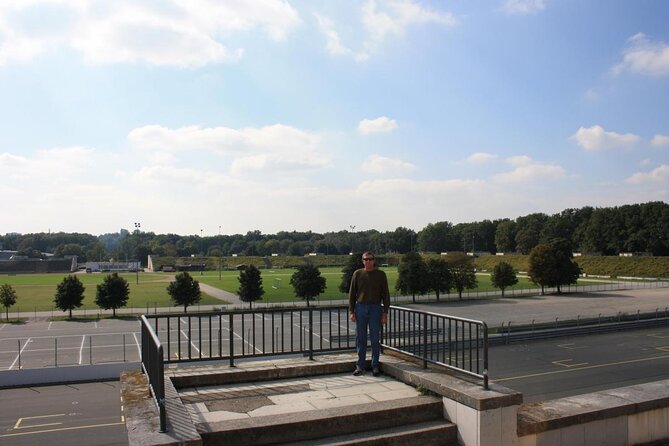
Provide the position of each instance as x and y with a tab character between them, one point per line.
138	229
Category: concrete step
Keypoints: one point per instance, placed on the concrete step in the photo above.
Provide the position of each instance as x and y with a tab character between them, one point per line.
323	424
429	433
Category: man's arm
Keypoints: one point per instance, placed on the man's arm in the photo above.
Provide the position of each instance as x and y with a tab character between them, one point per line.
353	295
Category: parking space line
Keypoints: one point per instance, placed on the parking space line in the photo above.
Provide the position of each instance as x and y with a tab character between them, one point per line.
571	346
569	363
30	426
589	367
19	354
61	429
81	348
139	348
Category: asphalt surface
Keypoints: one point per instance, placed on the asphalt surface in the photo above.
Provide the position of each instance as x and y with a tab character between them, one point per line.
87	414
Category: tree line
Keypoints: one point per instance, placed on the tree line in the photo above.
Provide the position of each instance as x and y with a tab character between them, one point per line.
606	231
550	265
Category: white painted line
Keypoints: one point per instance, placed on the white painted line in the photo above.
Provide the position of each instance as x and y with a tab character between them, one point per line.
139	348
3	326
19	355
49	327
81	348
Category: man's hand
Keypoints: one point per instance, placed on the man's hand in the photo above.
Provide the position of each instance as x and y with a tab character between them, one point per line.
352	317
384	318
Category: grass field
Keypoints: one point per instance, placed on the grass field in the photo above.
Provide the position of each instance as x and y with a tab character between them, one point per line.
35	291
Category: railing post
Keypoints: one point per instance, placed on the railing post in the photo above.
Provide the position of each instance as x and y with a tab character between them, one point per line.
485	356
311	334
231	339
424	340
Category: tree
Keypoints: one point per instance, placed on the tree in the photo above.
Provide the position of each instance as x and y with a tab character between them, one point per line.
437	237
307	282
250	285
184	290
551	264
505	236
503	276
354	263
69	294
112	293
462	271
7	297
412	275
439	276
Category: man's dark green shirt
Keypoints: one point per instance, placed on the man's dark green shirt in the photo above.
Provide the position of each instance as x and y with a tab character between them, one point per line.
369	287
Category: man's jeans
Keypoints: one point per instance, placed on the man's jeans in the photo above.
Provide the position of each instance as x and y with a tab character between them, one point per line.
368	315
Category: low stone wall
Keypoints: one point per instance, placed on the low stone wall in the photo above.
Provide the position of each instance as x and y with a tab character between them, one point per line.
630	415
484	417
64	374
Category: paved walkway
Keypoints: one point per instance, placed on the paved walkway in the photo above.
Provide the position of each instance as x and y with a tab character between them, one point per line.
248	400
223	295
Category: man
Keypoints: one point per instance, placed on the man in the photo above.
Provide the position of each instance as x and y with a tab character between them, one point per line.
368	305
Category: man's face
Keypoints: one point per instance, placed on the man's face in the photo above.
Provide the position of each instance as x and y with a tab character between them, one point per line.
368	262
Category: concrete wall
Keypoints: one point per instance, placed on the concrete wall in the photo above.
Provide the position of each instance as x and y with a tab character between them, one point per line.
66	374
630	415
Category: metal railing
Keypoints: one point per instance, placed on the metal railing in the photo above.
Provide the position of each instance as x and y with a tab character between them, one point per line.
153	366
253	333
456	343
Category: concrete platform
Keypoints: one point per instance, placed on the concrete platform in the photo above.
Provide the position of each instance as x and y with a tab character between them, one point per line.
297	400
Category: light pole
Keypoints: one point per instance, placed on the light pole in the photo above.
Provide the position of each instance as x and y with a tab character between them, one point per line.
202	252
352	236
220	254
138	227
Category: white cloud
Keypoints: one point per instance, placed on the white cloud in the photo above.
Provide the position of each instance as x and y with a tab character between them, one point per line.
596	138
378	125
657	175
530	172
519	160
644	57
277	137
272	148
480	157
381	20
660	140
334	44
524	7
377	164
178	32
418	188
385	18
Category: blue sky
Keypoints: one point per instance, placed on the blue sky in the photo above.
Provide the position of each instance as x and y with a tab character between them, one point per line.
189	115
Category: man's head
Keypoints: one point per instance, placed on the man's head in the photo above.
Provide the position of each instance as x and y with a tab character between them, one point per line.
368	261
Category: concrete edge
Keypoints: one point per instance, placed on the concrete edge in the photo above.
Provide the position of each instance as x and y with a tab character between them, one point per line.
141	415
64	374
216	375
465	392
544	416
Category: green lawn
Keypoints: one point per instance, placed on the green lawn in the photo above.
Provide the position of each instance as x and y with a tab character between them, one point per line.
35	291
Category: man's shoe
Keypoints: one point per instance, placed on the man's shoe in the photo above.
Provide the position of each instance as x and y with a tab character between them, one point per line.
358	372
376	371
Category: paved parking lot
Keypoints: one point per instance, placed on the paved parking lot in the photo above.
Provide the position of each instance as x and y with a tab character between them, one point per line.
38	344
64	415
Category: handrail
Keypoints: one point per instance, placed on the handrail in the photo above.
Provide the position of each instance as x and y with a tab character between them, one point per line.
153	366
459	344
